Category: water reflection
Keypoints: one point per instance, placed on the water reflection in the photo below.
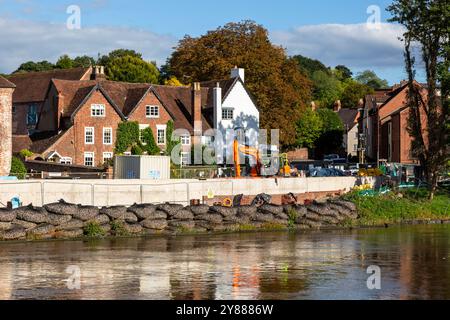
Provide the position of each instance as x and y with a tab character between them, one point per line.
319	265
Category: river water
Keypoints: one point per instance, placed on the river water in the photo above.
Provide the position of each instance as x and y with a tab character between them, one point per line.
414	263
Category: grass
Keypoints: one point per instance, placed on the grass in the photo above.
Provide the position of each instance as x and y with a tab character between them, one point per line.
93	229
118	229
293	215
391	208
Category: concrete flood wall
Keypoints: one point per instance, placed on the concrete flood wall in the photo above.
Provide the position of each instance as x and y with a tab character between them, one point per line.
127	192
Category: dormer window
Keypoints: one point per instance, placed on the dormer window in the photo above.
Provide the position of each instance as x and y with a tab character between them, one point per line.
97	110
152	111
227	114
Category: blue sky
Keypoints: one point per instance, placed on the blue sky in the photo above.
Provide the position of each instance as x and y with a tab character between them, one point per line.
331	31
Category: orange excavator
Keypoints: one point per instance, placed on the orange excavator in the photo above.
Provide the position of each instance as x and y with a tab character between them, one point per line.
254	152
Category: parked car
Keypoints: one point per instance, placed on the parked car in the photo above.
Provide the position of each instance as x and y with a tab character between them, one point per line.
334	158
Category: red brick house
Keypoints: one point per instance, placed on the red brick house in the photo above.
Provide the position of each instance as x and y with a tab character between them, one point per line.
78	119
386	120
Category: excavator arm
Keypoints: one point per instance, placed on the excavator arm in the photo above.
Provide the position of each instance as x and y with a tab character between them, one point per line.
253	152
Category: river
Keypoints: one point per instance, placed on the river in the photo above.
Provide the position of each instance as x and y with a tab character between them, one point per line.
414	263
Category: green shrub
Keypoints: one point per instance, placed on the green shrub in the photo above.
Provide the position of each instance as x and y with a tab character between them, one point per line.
136	150
25	153
293	215
127	135
18	168
93	229
150	145
118	228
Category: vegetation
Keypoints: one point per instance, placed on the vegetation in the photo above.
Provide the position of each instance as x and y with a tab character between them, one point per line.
129	138
272	77
131	69
293	215
396	208
369	78
309	129
18	168
93	229
426	24
25	153
171	142
118	228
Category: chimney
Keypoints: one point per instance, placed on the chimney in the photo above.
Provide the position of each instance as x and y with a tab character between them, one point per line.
98	72
217	105
313	106
337	106
238	72
196	110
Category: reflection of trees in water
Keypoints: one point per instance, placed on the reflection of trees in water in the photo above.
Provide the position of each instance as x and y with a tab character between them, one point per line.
418	255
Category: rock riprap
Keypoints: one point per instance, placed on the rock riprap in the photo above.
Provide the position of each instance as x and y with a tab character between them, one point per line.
66	220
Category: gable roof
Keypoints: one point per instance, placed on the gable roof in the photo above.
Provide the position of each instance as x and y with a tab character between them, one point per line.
4	83
33	86
348	117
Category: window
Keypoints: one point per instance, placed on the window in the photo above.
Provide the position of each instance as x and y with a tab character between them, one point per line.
185	140
32	114
65	160
185	158
152	111
227	114
107	156
161	134
107	135
89	159
98	110
89	135
355	147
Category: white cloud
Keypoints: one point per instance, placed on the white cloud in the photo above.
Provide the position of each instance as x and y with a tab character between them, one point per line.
355	45
23	41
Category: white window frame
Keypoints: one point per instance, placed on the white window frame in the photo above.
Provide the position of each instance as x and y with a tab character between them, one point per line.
87	154
149	111
227	111
158	129
106	129
86	129
98	110
65	160
185	140
109	154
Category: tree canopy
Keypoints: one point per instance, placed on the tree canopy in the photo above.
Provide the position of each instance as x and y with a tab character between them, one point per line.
281	91
369	78
131	69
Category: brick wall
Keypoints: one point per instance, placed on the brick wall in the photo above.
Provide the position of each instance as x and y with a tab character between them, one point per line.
298	154
5	130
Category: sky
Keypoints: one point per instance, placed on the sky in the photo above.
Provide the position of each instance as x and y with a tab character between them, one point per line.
334	32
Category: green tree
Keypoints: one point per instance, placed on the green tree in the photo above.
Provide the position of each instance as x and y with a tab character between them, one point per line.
353	93
131	69
119	53
370	78
273	79
64	62
309	66
344	72
32	66
127	136
171	142
327	88
18	168
331	136
83	62
308	129
426	24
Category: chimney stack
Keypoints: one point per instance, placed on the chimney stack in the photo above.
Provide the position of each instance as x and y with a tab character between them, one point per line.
196	111
217	105
98	72
313	106
238	73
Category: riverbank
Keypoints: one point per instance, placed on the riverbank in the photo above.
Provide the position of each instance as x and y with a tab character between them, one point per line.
63	220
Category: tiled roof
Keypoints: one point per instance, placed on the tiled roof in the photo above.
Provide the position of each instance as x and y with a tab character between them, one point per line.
348	117
33	86
20	142
4	83
43	140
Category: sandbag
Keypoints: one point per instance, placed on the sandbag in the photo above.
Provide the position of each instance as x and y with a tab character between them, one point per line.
240	219
43	229
271	209
182	224
7	215
31	214
214	218
160	224
57	219
86	213
72	224
61	207
224	211
114	212
5	226
71	233
247	210
263	217
143	211
15	233
198	210
24	224
132	228
183	215
170	209
346	204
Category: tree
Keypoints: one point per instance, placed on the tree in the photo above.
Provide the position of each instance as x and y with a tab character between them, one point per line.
371	79
127	136
150	145
173	81
83	62
119	53
426	24
327	88
353	92
18	168
64	62
131	69
281	91
170	143
344	72
331	137
32	66
308	129
309	66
